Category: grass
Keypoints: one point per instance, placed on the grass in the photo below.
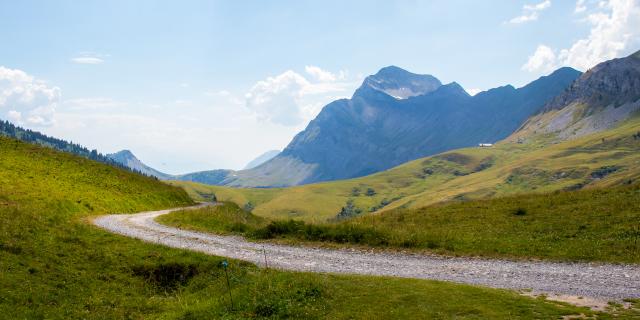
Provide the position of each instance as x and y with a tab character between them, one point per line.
509	168
55	265
585	225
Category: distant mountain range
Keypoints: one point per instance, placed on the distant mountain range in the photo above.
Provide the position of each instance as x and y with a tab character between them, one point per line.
262	159
395	116
127	158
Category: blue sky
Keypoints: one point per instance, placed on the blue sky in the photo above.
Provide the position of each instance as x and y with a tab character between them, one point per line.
194	85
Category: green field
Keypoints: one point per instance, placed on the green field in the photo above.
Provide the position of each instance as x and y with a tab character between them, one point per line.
509	168
55	265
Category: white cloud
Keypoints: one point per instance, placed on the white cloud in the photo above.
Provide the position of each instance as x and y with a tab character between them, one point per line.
530	12
25	100
278	99
543	60
580	6
289	98
88	57
319	74
473	91
615	29
87	60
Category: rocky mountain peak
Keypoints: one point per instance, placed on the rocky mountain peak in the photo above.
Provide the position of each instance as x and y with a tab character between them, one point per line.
614	82
400	83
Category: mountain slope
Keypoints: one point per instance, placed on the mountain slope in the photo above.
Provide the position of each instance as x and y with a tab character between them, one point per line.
601	159
10	130
394	117
600	99
525	162
126	158
261	159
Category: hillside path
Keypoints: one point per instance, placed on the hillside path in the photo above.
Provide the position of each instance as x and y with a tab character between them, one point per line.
594	280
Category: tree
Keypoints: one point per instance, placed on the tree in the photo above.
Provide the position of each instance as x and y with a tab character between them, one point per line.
348	211
248	207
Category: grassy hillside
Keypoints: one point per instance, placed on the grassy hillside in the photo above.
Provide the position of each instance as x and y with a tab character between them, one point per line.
541	165
591	225
55	265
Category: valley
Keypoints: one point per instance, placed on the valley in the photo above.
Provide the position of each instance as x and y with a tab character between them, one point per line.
396	196
508	168
55	265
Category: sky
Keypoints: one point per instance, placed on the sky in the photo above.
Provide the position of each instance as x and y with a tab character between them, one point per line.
198	85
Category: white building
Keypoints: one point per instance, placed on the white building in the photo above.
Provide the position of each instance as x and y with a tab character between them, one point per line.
485	145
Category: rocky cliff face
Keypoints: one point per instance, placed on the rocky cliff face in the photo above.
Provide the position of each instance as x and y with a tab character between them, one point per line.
600	99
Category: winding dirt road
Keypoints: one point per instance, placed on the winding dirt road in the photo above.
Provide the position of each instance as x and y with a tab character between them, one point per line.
601	281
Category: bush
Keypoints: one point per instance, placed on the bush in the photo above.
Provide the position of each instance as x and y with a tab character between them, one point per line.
519	212
339	233
167	276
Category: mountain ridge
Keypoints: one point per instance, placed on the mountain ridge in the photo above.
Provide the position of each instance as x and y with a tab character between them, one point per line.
128	159
375	130
601	98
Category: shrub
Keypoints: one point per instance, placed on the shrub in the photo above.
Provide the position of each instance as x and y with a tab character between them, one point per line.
604	171
519	212
166	276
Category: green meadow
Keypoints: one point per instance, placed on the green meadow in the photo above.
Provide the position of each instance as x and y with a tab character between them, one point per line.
55	265
585	225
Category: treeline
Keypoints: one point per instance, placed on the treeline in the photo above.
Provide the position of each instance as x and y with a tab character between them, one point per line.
8	129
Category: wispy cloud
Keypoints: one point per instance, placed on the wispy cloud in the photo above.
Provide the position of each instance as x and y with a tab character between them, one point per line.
89	58
530	12
92	103
580	6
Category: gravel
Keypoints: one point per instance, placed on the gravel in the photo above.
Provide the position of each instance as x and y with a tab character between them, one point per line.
596	280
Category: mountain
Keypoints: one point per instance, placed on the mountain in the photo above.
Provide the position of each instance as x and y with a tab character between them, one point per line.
601	98
400	83
598	160
566	145
261	159
215	177
394	117
126	158
10	130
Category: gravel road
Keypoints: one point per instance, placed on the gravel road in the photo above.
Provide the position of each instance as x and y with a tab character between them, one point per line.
595	280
